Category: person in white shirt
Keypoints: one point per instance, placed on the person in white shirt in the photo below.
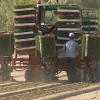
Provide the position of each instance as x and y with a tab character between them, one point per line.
70	48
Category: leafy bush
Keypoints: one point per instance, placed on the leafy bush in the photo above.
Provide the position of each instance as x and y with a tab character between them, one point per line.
24	6
26	21
93	46
25	13
68	25
48	48
37	45
83	45
69	16
91	23
89	29
25	30
6	44
24	36
69	7
29	44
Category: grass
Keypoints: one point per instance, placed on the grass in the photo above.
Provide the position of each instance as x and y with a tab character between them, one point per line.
20	86
43	92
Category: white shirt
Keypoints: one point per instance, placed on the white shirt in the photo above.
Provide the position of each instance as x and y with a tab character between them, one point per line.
70	48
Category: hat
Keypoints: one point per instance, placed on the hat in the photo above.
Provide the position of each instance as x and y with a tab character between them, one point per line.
71	34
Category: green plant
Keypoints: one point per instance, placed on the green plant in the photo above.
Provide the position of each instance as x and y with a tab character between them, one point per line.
69	7
68	25
83	45
29	44
6	44
25	30
25	13
26	21
69	16
93	46
19	6
48	47
37	45
24	36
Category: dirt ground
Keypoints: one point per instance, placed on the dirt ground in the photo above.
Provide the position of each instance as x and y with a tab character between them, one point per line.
19	76
95	95
62	78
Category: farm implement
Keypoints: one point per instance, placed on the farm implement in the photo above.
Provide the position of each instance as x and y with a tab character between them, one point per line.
40	31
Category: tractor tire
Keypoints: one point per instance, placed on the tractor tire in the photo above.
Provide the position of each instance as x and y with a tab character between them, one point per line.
97	74
28	75
52	74
87	74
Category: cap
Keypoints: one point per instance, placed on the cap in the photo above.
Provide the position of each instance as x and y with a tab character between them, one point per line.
71	34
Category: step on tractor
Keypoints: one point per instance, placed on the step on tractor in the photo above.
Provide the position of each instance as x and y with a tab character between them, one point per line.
55	21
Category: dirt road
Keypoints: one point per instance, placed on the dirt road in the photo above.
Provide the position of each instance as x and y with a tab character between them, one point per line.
19	76
95	95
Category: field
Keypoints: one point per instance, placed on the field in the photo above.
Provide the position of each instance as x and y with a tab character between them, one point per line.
57	90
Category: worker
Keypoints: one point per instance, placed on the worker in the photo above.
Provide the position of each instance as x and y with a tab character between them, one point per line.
70	48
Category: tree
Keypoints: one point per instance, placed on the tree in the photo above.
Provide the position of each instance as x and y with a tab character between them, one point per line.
91	3
7	15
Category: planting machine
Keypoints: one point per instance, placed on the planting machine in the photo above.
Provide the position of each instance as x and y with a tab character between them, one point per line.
56	20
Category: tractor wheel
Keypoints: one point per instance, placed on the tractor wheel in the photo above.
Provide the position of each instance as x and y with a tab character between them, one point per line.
52	74
1	77
97	74
28	75
87	74
48	75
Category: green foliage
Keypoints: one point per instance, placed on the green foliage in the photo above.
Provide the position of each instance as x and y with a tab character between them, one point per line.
25	30
94	46
69	7
6	12
29	44
90	29
68	25
24	36
21	21
25	13
25	21
20	6
37	46
6	44
48	46
92	23
45	1
69	16
91	3
83	45
12	42
97	11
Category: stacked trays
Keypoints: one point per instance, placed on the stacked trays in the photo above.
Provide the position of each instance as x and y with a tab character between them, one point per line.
89	23
69	20
25	23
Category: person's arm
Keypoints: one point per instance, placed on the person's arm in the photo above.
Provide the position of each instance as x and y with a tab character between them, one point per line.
62	49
